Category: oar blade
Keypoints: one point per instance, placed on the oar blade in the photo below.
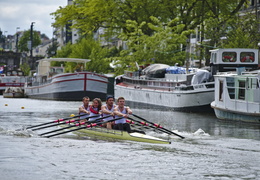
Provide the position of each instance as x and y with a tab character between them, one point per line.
159	127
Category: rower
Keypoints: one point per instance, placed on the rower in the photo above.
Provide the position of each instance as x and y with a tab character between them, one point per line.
95	109
108	110
84	108
122	111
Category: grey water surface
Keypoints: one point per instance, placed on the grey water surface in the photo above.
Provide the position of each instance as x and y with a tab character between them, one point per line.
212	149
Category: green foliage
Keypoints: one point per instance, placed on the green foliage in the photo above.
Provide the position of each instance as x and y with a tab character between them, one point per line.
23	40
163	46
90	15
51	50
86	48
65	51
25	67
221	16
243	33
155	30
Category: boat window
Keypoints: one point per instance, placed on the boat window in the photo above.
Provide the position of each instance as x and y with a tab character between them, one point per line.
229	56
231	87
157	83
220	95
255	84
246	57
241	90
59	71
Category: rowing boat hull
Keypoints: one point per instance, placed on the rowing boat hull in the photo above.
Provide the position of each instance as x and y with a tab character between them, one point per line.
122	135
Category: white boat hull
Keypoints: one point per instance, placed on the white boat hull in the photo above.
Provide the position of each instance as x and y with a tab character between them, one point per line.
226	114
174	99
237	97
13	95
11	81
70	87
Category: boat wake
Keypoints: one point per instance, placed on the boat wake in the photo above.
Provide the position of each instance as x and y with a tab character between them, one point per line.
20	132
200	132
188	135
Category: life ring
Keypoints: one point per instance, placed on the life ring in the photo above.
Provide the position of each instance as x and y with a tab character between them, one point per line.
228	59
248	57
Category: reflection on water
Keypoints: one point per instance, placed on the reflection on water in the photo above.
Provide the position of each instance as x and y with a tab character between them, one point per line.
191	122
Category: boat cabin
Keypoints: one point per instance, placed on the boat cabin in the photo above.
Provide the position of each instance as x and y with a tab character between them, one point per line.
223	60
238	93
45	71
56	70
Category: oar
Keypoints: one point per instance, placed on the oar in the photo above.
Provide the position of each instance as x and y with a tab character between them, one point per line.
145	125
58	120
139	126
87	126
135	125
82	123
158	126
65	122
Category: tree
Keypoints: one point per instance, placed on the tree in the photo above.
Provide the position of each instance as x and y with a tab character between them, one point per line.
242	33
86	48
164	46
89	15
23	41
123	18
51	50
219	14
25	67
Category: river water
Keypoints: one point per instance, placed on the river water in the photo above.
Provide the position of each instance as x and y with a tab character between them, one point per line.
212	149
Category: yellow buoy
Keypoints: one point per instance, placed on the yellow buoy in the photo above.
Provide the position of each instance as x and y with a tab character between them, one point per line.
6	104
22	107
72	115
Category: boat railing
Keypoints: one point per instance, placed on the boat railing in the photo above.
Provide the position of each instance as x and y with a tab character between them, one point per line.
36	81
13	79
155	83
162	83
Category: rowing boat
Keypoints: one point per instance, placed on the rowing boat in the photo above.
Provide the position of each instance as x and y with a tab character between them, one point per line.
94	128
122	135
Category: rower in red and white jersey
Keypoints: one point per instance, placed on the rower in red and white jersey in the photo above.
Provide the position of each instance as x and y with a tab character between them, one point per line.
95	109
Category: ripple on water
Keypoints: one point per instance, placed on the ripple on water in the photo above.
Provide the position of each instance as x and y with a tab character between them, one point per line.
211	149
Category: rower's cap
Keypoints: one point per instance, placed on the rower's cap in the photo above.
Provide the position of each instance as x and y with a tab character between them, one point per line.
108	97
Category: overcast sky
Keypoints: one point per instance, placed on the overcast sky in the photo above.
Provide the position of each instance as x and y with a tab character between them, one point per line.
21	13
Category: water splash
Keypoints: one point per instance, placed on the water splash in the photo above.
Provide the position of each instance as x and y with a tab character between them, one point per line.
19	132
200	132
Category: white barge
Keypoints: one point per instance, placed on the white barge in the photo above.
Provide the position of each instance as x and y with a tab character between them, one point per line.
158	86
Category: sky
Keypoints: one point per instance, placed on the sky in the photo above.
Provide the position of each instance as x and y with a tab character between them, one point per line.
20	14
